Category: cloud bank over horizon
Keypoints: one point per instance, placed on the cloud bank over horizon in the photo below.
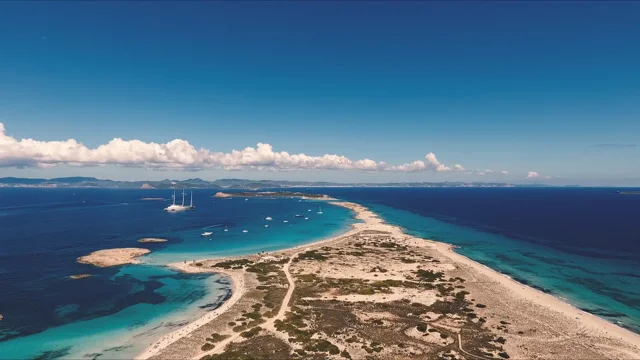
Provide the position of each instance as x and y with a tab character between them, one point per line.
179	154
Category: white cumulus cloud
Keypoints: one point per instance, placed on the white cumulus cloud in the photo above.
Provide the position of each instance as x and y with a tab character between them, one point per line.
532	175
180	154
504	172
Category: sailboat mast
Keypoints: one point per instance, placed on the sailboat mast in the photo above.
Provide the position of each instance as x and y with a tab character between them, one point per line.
174	197
191	205
182	197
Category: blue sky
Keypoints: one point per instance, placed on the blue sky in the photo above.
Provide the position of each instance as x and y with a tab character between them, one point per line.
522	87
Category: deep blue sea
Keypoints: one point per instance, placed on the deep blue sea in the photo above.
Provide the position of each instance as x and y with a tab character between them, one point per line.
121	310
581	244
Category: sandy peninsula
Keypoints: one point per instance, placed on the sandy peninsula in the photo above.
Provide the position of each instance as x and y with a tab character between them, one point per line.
152	240
274	194
113	257
376	292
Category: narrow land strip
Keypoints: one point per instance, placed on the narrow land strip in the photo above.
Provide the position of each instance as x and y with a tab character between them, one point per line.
378	291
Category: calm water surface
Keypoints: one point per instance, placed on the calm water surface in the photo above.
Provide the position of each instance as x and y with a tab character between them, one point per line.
121	310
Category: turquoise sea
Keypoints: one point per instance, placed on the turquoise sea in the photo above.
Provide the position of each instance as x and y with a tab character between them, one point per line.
120	311
579	244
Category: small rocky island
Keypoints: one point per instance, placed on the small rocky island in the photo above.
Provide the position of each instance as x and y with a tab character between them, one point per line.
80	276
113	257
152	240
273	194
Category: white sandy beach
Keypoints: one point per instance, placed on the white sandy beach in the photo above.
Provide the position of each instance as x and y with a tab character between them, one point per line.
237	291
551	302
371	222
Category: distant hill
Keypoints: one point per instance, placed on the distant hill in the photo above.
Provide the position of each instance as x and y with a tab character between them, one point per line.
197	183
14	180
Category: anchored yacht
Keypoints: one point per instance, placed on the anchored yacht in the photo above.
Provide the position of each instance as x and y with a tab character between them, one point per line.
176	208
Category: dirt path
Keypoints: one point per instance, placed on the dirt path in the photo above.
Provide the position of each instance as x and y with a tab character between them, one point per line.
466	353
292	286
269	325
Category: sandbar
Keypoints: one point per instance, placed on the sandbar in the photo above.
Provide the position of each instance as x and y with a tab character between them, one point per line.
113	257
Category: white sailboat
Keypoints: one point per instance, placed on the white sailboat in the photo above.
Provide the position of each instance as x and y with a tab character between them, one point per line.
176	208
320	210
206	233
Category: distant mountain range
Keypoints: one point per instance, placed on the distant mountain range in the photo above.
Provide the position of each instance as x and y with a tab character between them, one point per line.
90	182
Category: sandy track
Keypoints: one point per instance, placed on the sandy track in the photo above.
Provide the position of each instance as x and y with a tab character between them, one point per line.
269	325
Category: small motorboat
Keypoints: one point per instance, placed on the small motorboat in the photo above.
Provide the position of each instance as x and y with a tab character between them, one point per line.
299	216
206	233
245	231
268	218
306	218
265	225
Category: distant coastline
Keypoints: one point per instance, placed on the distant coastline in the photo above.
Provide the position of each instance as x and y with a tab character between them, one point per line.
221	184
273	194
